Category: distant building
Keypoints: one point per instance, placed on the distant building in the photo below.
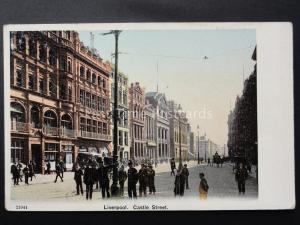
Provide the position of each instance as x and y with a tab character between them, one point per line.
162	138
150	131
178	132
137	110
123	109
207	148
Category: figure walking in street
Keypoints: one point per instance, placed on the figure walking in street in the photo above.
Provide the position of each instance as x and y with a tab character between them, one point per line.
78	179
203	187
179	184
103	179
58	171
62	167
185	173
15	173
208	161
151	176
132	180
173	166
48	165
19	166
122	179
241	176
31	170
26	174
143	180
89	179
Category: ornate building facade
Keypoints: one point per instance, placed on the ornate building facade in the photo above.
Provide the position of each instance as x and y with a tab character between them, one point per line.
137	107
59	98
150	131
162	137
123	108
178	132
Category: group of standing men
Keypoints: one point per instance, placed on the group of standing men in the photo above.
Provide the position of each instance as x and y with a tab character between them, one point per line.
181	178
92	175
18	171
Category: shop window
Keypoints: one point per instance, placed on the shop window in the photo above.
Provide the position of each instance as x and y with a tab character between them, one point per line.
17	151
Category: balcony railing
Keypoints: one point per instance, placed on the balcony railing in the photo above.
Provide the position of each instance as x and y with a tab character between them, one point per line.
64	132
92	135
19	127
51	131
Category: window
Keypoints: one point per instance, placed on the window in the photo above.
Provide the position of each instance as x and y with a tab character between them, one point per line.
103	83
31	78
120	137
82	71
88	100
52	57
63	92
82	94
99	127
17	150
69	66
99	103
41	85
88	75
32	47
17	113
82	124
19	77
94	126
70	93
99	81
88	125
21	46
126	138
94	103
52	86
125	98
62	63
42	52
105	128
94	78
120	97
50	118
66	122
35	117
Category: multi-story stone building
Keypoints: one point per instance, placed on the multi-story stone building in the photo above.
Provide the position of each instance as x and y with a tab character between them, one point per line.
150	131
162	137
207	148
178	132
137	107
123	109
59	98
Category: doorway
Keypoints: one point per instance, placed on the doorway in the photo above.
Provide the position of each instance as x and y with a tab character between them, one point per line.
36	152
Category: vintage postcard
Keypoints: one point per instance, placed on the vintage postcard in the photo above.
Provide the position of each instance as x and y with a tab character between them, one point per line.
149	116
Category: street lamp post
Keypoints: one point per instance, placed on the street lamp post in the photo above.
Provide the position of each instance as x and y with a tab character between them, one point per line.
114	186
198	145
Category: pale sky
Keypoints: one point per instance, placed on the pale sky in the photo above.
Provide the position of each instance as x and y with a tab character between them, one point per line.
175	60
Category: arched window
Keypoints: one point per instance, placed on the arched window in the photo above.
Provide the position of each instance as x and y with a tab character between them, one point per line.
50	119
17	112
35	117
88	75
66	122
82	71
94	78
